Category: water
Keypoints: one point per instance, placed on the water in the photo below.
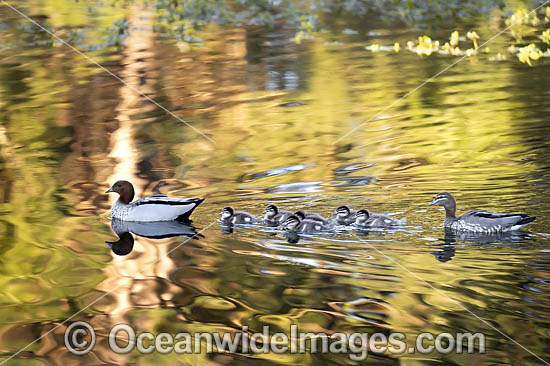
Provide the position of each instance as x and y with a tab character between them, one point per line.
274	110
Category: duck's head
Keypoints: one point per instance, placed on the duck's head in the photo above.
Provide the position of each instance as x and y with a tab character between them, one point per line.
125	189
362	216
291	223
444	199
270	211
227	212
342	212
300	214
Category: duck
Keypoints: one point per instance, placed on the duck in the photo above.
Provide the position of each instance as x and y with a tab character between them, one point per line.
230	216
345	215
480	221
366	219
312	216
295	224
274	216
158	207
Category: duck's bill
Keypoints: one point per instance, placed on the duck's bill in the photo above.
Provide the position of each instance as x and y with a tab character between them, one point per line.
433	202
109	190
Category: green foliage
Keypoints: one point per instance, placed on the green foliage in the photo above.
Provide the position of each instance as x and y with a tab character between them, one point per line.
186	17
183	19
523	25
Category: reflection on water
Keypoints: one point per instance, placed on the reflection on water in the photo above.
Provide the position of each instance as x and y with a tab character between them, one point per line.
463	240
154	230
151	230
274	108
483	238
123	245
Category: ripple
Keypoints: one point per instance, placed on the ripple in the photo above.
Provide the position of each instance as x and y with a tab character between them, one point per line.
277	171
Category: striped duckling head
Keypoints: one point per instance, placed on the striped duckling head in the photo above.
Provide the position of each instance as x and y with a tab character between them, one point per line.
227	212
342	212
291	223
270	212
362	216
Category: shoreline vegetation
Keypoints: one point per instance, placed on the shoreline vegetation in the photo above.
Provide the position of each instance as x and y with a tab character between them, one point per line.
527	39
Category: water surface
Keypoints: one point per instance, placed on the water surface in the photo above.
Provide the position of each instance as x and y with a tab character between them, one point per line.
274	110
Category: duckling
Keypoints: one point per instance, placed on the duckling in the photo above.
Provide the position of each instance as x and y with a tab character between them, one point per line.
295	224
366	219
230	216
480	221
274	216
344	216
312	216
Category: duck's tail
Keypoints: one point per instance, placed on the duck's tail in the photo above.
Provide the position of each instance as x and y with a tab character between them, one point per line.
185	216
523	222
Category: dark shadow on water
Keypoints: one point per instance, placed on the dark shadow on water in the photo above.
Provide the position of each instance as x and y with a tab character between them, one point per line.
123	246
446	250
150	230
292	237
226	229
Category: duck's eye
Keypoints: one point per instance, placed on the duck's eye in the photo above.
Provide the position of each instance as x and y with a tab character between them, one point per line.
119	185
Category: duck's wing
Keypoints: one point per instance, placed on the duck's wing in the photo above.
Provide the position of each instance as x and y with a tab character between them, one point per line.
163	208
313	226
241	217
382	220
375	220
165	200
496	221
316	217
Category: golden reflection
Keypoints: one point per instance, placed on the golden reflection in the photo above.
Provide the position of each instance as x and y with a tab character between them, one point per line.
133	281
269	104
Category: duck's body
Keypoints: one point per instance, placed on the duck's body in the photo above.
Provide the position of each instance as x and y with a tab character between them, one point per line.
155	208
274	217
483	221
345	216
365	219
295	224
479	221
149	209
230	216
313	216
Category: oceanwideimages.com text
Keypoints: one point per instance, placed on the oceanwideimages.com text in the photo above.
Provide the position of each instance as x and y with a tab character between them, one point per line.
80	339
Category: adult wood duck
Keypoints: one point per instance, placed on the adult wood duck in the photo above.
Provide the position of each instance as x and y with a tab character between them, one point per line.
481	221
155	208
